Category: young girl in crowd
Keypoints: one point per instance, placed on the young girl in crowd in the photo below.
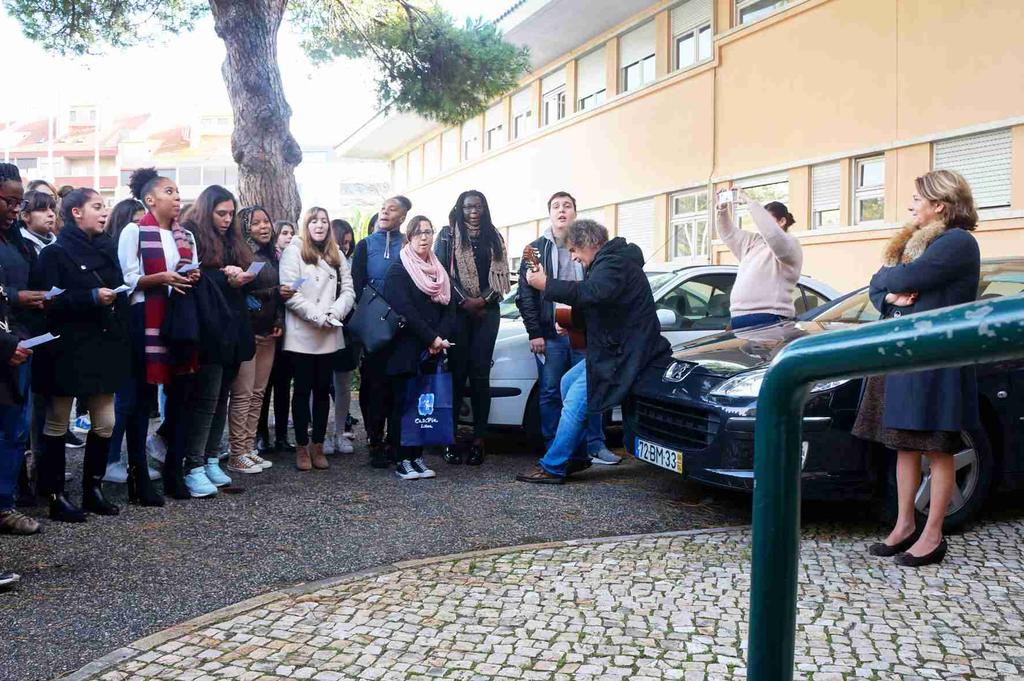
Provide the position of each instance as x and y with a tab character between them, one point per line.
419	290
346	360
39	215
151	251
266	318
323	298
373	256
89	358
279	388
474	252
226	338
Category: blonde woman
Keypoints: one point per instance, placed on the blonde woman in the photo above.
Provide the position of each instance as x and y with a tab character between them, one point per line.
933	262
313	266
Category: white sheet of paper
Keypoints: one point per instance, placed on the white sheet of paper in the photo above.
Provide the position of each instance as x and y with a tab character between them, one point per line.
53	293
254	268
297	284
185	269
334	322
38	340
123	288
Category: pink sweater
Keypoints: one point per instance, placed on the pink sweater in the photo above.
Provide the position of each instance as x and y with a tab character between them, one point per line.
770	264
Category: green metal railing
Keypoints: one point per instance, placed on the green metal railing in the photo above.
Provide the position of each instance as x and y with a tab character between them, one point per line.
985	331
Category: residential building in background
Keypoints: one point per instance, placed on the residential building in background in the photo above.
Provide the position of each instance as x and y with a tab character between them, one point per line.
644	109
85	146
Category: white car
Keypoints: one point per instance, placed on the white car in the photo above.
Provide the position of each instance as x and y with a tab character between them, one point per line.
692	302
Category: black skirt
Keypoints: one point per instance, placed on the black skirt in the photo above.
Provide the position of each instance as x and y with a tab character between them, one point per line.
869	426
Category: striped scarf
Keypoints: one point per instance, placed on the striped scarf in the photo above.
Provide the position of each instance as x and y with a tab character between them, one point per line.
160	366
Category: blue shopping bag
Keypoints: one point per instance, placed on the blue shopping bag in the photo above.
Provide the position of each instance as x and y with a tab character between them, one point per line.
428	419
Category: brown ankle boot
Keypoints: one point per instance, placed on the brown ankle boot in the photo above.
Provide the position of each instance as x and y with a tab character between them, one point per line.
302	461
319	460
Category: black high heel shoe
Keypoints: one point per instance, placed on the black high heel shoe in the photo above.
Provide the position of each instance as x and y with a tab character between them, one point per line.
452	456
883	550
933	558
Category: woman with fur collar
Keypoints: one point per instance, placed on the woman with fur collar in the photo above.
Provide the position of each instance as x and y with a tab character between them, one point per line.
933	262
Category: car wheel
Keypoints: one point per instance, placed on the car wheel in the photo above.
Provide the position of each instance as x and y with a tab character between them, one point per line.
531	415
975	465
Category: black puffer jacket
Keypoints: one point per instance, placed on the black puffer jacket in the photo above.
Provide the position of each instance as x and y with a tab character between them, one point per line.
623	332
9	391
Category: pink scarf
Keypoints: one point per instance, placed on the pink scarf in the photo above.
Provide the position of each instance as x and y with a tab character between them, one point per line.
428	275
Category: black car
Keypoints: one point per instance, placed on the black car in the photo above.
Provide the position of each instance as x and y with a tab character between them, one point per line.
697	417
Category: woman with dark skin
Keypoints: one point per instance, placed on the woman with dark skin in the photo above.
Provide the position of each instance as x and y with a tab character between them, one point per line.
473	252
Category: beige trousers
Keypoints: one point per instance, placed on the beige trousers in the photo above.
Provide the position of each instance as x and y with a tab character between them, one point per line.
247	397
101	415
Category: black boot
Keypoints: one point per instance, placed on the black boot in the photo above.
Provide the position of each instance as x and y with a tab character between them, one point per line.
140	487
378	455
174	476
475	457
51	481
282	445
452	455
93	468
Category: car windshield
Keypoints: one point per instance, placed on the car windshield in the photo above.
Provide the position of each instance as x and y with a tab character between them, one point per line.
997	279
508	309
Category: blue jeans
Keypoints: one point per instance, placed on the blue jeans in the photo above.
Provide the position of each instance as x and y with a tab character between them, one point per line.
756	319
14	430
559	357
572	424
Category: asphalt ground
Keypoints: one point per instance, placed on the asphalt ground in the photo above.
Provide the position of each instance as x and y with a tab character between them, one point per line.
90	588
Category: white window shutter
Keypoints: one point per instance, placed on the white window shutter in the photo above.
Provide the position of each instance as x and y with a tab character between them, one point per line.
521	101
494	116
825	194
590	74
690	15
552	82
636	225
986	162
595	214
637	45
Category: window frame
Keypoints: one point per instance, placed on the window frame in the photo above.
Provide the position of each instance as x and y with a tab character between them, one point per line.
862	193
694	32
490	142
557	98
642	64
741	5
691	219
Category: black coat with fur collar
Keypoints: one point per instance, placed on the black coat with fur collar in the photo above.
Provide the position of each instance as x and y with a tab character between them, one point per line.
943	266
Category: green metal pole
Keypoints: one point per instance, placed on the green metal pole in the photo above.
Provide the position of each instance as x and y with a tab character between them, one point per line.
985	331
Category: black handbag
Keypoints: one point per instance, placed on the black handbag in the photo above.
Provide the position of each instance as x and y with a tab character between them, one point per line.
374	323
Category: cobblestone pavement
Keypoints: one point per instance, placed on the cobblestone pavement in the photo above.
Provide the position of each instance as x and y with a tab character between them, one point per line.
669	606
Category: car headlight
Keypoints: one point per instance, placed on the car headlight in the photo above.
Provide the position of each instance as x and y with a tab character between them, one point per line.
748	384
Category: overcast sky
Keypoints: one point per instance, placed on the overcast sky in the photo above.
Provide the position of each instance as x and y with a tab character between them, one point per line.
327	102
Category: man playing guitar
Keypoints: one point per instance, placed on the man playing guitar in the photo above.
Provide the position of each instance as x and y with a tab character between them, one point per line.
622	330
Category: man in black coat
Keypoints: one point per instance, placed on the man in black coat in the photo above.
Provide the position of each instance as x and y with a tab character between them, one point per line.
615	304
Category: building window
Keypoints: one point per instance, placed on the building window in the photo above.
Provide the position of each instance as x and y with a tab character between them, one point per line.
25	164
449	149
825	195
869	189
690	221
764	190
212	175
591	82
553	98
169	173
494	124
471	139
691	33
191	175
749	11
636	57
522	113
986	162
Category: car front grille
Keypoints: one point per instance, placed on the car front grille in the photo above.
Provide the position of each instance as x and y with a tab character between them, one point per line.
675	424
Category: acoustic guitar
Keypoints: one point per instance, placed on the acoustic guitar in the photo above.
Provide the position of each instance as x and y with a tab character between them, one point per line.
563	313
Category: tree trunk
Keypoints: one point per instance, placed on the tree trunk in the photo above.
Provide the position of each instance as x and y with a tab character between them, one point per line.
261	144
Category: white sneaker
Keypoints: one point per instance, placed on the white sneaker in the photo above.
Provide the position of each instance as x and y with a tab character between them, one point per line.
405	471
255	457
243	464
342	445
349	435
421	467
156	448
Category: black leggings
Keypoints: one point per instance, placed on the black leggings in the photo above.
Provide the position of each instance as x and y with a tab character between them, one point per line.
398	385
471	357
313	375
279	390
375	397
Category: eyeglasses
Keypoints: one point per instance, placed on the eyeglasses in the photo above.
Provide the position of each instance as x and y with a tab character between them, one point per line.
423	232
12	204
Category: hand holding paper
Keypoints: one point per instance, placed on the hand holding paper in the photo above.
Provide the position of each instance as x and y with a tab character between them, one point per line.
53	293
185	269
37	340
255	267
123	288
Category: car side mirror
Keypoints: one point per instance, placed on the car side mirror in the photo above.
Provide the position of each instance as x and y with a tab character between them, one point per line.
668	319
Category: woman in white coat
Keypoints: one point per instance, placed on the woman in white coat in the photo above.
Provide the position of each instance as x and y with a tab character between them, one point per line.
313	266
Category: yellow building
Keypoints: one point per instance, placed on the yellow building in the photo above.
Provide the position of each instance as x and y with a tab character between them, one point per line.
643	110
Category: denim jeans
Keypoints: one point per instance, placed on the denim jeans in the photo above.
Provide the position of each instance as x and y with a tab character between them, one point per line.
573	422
14	429
559	357
756	319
